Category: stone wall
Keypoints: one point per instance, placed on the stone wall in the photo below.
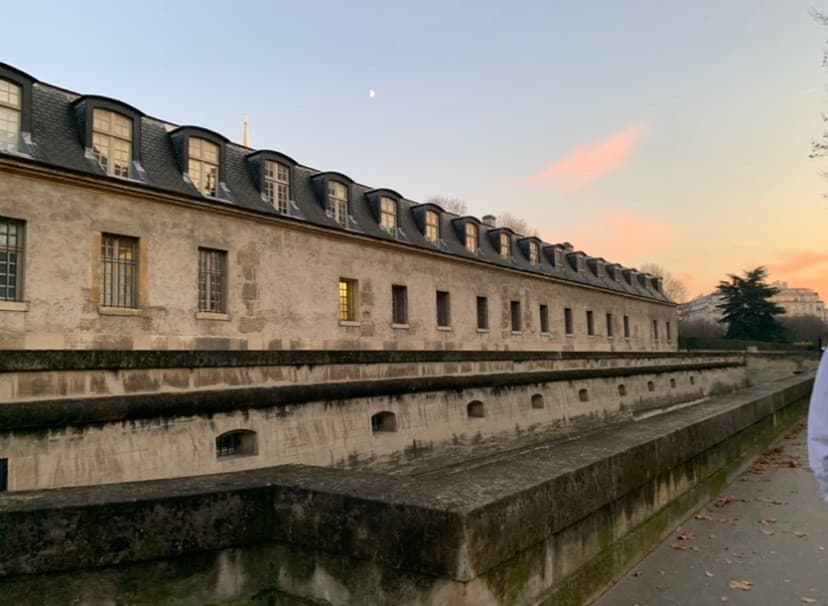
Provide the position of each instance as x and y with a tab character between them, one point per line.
283	283
552	525
95	423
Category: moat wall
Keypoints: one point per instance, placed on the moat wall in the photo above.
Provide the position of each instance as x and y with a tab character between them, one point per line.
546	526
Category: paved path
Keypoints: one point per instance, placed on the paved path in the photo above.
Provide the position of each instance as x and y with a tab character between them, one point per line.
766	534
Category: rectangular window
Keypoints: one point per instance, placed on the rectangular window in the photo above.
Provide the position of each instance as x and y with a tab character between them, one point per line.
610	328
388	214
432	232
4	475
534	253
590	323
669	333
399	304
212	280
569	326
112	141
443	309
10	108
544	319
11	259
471	237
514	308
119	271
505	245
626	327
482	313
338	202
655	330
277	185
203	166
347	299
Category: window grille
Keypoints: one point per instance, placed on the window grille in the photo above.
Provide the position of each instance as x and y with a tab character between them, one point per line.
338	202
212	280
399	304
590	323
112	141
119	271
515	313
11	259
569	327
544	318
610	327
471	237
10	110
432	232
505	245
482	313
236	443
626	327
534	254
277	185
443	309
203	167
388	214
347	299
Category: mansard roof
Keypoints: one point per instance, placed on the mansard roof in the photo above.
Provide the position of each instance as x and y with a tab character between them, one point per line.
57	143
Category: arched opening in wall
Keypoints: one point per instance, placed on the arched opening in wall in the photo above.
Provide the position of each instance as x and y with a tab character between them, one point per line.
622	390
583	395
537	401
475	410
650	386
692	380
384	422
672	383
236	443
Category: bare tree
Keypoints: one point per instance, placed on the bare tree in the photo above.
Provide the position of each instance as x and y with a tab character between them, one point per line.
452	205
673	287
516	224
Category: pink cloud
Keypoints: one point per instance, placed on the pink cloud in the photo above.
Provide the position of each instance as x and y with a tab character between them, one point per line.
623	237
798	261
803	269
589	163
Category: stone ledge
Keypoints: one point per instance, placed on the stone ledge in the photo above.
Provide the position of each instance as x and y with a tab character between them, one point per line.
88	410
438	525
40	360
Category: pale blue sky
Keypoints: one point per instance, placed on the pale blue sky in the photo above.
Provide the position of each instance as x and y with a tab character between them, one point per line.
473	98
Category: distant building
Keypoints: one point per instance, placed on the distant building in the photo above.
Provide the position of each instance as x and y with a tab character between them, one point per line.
799	301
702	309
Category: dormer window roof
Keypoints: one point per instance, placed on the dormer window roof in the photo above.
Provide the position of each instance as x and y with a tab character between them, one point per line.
385	204
111	133
471	237
338	202
201	156
576	260
15	110
505	241
273	174
432	226
531	248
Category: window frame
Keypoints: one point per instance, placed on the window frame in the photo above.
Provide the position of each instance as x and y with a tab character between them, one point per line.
244	443
431	229
626	322
610	326
534	253
348	300
388	224
25	82
204	165
505	245
569	322
16	112
443	308
399	305
543	317
19	249
482	305
113	301
204	295
515	317
108	162
472	244
272	185
590	321
337	207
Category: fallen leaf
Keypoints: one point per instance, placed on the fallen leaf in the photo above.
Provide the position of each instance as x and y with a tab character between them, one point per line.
686	536
800	534
767	521
707	573
807	600
703	516
768	532
742	585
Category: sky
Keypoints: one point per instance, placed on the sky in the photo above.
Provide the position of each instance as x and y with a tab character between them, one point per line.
675	133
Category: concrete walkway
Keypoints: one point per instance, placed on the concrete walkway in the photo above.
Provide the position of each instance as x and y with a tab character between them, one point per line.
762	542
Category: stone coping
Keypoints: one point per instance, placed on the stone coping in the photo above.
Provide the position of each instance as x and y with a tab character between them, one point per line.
85	410
45	360
456	524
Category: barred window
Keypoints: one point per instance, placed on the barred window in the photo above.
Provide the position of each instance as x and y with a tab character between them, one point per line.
626	327
482	313
399	304
277	185
388	214
240	442
514	310
655	330
10	109
590	322
610	326
505	245
11	259
544	319
471	237
119	271
112	141
338	202
347	299
212	280
569	325
534	255
203	166
432	230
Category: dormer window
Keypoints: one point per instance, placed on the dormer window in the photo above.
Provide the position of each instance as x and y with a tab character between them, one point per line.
432	226
276	185
338	202
388	214
112	141
534	253
505	245
203	165
471	237
11	106
558	257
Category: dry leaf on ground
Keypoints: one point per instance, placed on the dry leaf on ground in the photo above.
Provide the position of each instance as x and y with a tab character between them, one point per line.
742	585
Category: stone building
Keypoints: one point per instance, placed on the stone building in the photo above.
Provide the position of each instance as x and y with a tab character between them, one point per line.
122	231
799	301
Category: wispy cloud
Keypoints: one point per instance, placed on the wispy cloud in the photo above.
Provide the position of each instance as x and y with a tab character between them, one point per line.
623	237
799	261
591	162
803	269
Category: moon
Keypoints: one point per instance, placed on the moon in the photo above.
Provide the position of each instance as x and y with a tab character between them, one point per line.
372	93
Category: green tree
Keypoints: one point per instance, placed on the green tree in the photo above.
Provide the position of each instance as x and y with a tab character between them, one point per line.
748	312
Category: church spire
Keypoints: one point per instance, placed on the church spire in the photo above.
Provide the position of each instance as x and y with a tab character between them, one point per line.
246	135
